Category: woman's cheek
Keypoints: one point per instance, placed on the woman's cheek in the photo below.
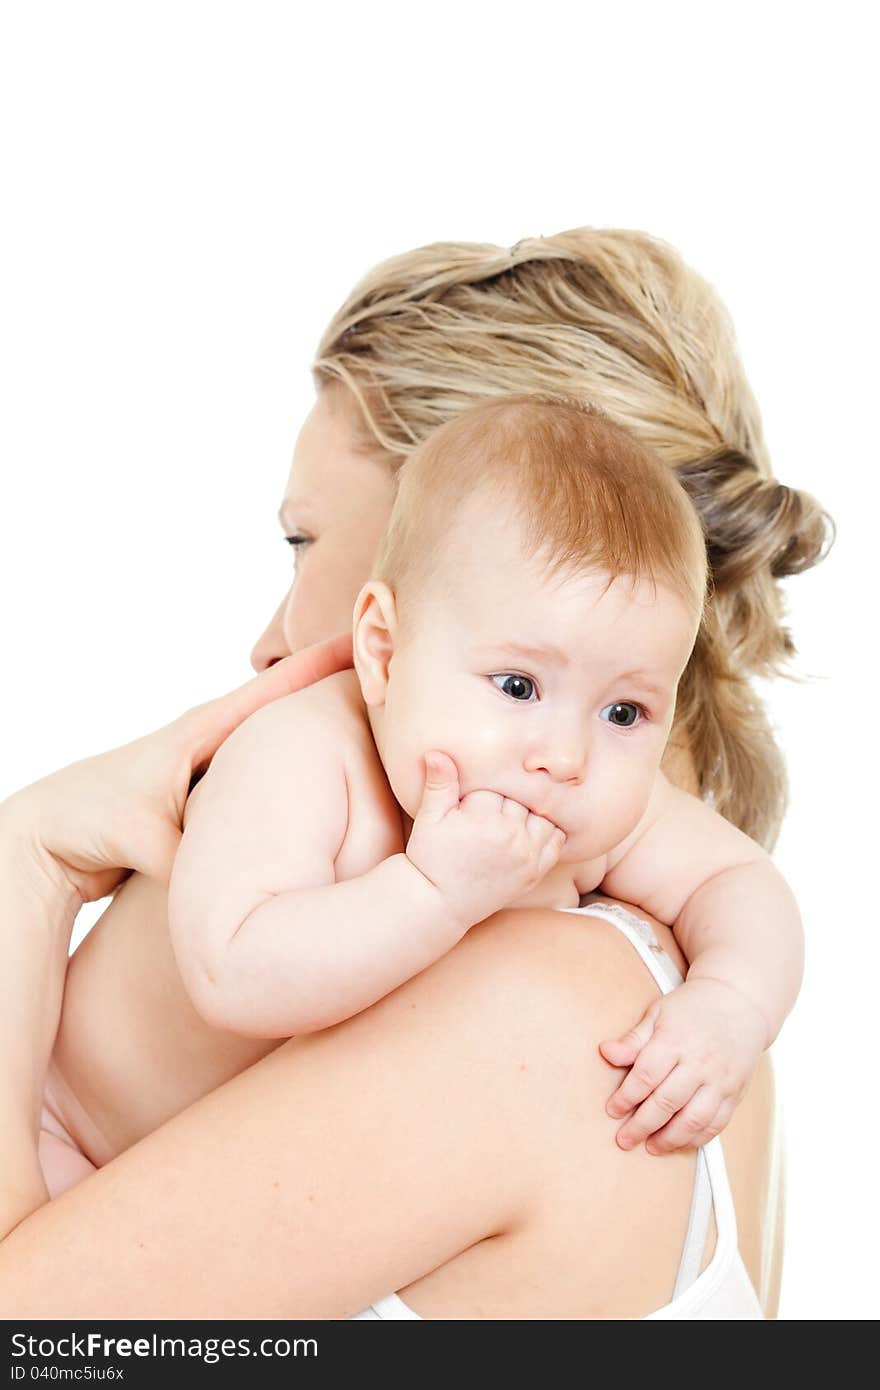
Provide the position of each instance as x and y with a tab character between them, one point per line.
321	603
305	619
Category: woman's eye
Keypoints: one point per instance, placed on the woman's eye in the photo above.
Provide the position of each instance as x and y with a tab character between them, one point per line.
298	544
517	687
624	714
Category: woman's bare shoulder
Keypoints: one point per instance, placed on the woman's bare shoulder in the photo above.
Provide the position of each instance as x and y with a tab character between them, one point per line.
565	952
578	964
528	991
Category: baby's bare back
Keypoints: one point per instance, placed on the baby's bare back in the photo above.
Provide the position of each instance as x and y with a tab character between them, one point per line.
131	1050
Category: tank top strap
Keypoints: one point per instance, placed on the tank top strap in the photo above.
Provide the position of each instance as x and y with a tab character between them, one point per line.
640	935
668	977
698	1228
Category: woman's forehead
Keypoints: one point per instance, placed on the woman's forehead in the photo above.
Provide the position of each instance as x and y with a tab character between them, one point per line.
327	469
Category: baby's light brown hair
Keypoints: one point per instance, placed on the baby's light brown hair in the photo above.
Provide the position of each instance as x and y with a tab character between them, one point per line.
588	495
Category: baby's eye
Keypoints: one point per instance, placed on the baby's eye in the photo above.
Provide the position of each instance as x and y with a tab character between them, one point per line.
517	687
623	714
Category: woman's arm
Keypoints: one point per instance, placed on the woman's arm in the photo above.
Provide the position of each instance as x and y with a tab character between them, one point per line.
352	1162
73	837
37	910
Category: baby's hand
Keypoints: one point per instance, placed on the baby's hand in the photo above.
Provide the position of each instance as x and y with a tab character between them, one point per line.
482	851
690	1058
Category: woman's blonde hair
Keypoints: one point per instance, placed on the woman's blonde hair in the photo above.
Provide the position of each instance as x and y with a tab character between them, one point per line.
617	320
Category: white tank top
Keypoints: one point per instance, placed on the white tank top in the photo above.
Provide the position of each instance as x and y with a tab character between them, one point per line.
723	1290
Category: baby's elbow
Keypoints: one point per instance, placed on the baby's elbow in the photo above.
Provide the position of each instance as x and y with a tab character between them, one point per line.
218	999
227	1000
209	994
200	962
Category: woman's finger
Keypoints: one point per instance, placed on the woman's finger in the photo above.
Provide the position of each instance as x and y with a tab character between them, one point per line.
123	809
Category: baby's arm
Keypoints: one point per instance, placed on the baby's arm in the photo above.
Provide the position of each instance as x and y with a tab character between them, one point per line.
737	922
268	942
732	912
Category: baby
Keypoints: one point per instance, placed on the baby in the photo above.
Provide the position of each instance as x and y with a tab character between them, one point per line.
517	651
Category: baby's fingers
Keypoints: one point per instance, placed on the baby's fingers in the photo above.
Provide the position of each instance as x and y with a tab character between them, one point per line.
547	840
675	1090
622	1052
541	830
694	1126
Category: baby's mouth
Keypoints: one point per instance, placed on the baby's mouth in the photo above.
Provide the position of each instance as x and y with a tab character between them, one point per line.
545	815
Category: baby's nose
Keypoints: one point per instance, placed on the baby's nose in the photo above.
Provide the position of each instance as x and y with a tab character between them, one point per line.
564	757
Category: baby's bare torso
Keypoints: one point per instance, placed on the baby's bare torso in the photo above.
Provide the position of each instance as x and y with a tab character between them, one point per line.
131	1050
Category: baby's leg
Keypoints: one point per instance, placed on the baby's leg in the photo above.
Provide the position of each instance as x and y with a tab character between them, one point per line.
62	1161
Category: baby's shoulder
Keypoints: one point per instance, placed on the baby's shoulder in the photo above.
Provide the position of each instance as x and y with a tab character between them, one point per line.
333	705
318	723
313	730
334	736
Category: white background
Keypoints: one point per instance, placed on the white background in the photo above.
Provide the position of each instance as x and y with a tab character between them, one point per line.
191	189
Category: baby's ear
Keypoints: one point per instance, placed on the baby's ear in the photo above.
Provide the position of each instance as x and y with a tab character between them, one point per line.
374	632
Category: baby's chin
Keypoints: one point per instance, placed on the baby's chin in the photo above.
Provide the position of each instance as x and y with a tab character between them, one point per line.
574	854
582	848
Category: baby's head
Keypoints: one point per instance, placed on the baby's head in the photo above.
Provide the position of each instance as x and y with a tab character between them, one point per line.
533	604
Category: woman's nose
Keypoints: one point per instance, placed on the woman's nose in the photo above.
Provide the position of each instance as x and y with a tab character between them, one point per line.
272	645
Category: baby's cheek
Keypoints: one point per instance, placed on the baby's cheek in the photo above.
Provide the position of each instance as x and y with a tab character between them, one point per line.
406	777
618	813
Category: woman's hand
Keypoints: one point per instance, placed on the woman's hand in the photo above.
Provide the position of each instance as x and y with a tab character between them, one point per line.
73	837
96	820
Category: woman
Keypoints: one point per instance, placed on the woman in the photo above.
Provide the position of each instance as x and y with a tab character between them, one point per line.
450	1143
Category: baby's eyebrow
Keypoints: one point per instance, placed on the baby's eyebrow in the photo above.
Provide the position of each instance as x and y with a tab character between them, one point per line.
550	653
557	657
643	682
